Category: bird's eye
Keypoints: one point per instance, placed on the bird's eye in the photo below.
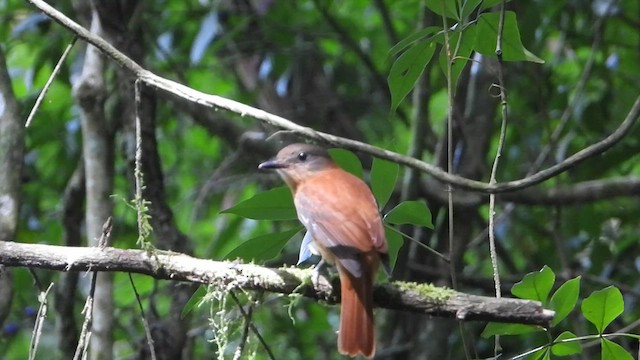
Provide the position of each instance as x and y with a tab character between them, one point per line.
302	156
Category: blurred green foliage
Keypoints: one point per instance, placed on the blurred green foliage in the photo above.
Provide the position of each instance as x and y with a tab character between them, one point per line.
290	41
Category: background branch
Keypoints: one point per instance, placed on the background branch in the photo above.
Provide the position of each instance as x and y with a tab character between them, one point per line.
72	215
97	147
244	110
11	153
583	192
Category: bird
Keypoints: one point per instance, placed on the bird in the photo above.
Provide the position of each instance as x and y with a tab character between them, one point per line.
344	226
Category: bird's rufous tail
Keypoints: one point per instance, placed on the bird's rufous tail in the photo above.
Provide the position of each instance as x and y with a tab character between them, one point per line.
356	335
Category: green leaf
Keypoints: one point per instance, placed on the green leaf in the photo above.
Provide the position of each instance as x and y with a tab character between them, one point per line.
535	285
194	300
542	354
410	212
406	71
613	351
566	348
494	328
565	299
602	307
274	204
448	8
411	39
394	242
347	160
263	247
383	180
512	48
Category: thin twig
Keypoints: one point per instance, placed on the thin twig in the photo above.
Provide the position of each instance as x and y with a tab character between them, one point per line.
450	169
37	328
47	85
106	233
245	335
450	95
247	324
277	121
575	339
36	280
255	330
494	169
139	200
625	329
145	323
85	333
140	204
82	349
419	243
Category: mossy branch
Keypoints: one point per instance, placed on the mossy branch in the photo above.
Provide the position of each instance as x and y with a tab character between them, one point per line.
418	298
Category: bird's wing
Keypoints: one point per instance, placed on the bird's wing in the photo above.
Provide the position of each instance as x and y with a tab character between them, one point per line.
306	248
341	215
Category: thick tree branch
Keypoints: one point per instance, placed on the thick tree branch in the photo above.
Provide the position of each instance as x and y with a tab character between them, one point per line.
422	298
245	110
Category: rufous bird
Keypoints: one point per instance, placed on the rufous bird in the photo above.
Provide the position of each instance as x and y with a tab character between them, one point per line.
344	226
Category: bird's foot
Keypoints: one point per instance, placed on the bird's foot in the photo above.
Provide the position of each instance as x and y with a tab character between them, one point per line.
315	273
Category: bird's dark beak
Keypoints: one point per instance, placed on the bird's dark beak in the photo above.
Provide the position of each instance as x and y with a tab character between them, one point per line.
273	164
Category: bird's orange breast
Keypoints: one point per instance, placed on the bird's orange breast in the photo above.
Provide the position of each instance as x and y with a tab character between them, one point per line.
341	201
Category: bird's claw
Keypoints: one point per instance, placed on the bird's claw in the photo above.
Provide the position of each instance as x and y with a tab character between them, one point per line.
315	273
